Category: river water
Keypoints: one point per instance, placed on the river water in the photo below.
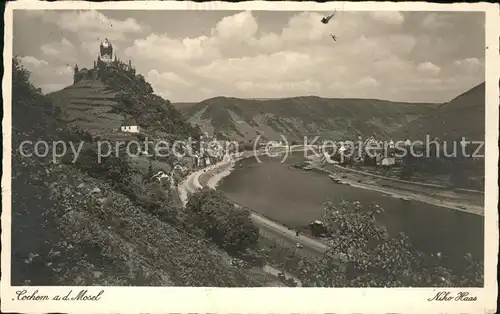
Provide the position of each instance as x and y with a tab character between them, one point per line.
296	197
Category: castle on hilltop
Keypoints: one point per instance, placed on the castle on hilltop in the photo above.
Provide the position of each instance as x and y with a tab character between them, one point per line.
103	65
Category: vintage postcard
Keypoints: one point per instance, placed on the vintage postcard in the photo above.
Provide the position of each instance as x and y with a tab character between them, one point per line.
253	157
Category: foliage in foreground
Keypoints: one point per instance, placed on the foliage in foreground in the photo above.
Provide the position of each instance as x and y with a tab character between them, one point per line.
230	227
361	254
70	228
107	239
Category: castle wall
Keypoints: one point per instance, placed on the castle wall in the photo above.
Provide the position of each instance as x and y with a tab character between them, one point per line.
83	75
103	65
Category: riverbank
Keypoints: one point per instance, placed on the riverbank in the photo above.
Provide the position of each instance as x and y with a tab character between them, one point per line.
270	228
211	177
472	203
192	182
406	191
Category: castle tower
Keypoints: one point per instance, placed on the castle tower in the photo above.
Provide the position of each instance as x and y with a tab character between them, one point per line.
106	51
75	74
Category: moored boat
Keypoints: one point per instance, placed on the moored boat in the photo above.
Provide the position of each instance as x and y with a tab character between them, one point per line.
335	179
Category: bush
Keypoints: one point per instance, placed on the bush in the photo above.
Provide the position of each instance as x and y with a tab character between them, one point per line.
61	236
228	226
362	254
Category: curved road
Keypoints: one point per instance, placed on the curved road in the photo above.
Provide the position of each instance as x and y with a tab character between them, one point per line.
268	227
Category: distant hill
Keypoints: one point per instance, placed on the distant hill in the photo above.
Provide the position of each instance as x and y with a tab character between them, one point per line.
244	119
462	116
183	106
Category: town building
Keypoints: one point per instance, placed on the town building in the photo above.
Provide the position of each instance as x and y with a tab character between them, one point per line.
388	161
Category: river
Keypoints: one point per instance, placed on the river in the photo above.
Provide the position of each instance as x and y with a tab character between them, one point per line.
296	197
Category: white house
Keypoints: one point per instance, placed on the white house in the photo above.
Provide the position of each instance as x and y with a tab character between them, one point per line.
388	161
129	125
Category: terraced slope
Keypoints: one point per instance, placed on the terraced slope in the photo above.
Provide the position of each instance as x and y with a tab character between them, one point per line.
244	119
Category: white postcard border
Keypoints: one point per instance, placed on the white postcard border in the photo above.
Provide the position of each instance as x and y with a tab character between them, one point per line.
267	300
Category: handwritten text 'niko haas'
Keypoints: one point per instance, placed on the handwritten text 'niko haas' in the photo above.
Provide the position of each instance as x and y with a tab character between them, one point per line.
447	296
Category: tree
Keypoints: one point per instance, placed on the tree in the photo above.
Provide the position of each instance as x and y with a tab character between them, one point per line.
361	254
408	170
354	230
150	169
223	223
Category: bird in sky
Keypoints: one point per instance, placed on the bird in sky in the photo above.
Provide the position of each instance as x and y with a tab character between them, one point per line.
327	19
333	37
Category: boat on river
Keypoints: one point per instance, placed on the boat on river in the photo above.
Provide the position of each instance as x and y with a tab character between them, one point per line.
405	200
301	166
335	179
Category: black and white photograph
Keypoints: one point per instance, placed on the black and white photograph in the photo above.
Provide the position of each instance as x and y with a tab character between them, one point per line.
240	145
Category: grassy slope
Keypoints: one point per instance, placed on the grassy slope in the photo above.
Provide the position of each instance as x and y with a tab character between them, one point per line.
462	116
100	107
299	116
63	236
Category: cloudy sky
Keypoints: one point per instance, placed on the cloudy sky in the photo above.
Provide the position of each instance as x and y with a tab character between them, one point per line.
194	55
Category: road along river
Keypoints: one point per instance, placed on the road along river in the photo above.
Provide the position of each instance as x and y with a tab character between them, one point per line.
295	197
267	227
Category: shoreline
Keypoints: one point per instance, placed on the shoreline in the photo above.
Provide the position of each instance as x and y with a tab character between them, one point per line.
407	195
191	183
403	195
213	174
214	180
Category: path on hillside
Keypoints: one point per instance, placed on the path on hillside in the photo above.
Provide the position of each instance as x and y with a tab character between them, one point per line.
268	227
191	184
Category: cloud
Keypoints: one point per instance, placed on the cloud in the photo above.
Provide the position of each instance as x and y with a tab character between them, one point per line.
469	64
389	55
94	24
436	21
242	26
63	50
161	47
31	63
277	67
389	17
367	82
428	68
167	78
49	78
305	27
167	82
